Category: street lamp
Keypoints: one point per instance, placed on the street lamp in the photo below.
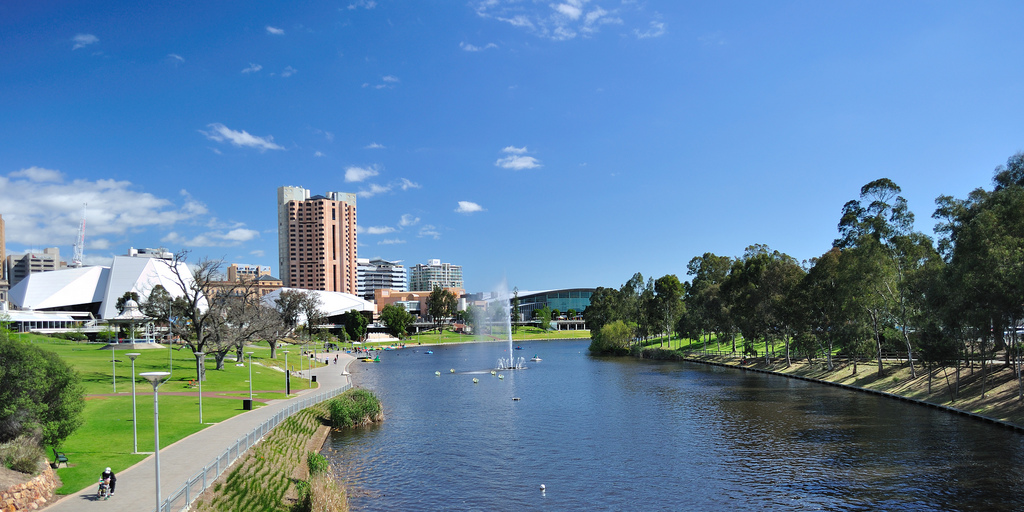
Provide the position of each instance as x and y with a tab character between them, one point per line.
113	368
287	376
135	418
199	370
250	377
156	378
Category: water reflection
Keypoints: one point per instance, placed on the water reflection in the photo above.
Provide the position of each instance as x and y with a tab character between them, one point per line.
622	434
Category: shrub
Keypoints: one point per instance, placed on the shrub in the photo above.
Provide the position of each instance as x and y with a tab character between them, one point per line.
22	454
355	407
317	463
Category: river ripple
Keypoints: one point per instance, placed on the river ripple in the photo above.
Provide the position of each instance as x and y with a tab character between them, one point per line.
626	434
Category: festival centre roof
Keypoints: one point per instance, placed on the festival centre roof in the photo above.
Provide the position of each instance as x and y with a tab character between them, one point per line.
331	303
96	289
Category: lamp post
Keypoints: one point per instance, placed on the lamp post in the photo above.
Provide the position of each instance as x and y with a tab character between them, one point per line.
287	376
113	367
199	370
250	376
135	418
156	378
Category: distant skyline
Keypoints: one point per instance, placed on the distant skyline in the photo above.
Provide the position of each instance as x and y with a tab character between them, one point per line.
551	144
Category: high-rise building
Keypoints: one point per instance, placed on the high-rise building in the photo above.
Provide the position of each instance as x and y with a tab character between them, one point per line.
19	267
435	273
4	287
317	240
380	274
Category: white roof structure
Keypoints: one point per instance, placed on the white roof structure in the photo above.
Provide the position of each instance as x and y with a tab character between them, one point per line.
331	303
68	288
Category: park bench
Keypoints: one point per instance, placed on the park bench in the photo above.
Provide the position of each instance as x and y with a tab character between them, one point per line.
58	458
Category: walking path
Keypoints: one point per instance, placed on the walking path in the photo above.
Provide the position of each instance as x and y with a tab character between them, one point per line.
136	486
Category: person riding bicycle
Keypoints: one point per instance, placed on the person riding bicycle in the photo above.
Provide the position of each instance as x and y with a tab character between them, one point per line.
108	474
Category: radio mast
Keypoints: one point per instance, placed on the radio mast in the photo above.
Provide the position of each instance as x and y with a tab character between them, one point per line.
76	260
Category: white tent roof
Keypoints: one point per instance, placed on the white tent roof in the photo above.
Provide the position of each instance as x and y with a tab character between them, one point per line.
76	286
331	303
60	288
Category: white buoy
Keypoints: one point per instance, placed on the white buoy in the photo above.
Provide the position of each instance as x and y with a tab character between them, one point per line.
542	487
475	381
501	376
438	373
452	370
493	372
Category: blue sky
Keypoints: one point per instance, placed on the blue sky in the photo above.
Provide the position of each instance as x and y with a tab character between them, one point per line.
552	143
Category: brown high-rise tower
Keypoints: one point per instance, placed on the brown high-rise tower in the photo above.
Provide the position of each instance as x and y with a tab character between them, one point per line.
317	240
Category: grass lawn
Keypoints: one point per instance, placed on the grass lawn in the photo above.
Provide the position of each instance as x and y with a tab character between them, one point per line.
105	437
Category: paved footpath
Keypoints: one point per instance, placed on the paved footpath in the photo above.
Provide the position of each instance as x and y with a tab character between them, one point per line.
136	486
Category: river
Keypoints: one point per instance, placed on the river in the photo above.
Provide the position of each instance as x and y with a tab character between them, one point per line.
628	434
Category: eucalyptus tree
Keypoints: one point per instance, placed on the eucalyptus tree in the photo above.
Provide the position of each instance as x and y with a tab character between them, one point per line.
441	305
706	305
668	303
760	283
983	244
398	320
879	230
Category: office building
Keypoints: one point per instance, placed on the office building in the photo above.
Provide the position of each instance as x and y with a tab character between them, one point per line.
21	266
380	274
317	240
434	273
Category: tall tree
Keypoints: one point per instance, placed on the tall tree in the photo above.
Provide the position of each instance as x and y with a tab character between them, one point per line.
668	301
355	324
397	320
441	305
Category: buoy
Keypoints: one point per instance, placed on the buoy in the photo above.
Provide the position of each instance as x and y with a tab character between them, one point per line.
475	381
438	373
501	377
493	372
452	370
542	487
515	399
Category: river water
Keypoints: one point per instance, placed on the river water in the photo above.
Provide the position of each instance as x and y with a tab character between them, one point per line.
627	434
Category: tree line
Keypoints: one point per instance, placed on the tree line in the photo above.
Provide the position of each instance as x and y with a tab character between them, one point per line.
881	288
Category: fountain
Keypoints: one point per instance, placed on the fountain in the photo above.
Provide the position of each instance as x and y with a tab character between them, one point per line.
511	363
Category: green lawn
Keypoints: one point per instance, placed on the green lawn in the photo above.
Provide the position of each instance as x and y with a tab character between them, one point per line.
105	437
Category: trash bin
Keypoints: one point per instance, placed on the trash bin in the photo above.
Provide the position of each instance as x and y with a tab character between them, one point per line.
313	379
246	404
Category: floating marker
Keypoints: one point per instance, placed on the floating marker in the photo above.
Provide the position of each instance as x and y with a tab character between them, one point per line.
542	488
493	372
475	381
502	377
452	370
438	373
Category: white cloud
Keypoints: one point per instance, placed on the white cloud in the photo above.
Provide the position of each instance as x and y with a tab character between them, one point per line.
274	30
468	207
390	79
516	160
318	154
406	184
656	29
288	71
230	238
175	57
41	209
366	4
379	230
39	175
408	220
356	174
391	241
473	48
373	190
83	40
431	231
560	20
252	68
374	145
221	133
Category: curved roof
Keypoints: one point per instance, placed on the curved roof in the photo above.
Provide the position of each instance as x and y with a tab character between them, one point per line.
331	303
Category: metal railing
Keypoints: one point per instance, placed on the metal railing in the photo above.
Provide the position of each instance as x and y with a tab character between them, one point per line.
183	497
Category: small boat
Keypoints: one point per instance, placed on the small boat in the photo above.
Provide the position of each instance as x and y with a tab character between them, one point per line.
519	348
366	359
535	358
376	359
429	352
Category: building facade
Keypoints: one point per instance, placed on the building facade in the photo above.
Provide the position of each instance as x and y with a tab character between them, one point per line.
248	280
21	266
4	285
317	240
434	273
380	274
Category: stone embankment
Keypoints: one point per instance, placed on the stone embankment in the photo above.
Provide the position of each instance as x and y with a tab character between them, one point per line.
32	495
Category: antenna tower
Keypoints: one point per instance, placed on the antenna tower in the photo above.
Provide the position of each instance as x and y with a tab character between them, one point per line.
76	260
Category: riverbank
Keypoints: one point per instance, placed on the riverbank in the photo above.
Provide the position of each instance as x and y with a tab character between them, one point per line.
999	403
